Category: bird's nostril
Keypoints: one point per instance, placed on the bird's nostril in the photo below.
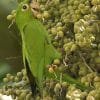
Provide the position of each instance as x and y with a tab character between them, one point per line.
35	9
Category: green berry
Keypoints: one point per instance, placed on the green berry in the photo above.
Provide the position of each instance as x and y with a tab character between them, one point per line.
97	60
60	34
5	80
57	88
9	17
16	79
56	62
19	74
46	14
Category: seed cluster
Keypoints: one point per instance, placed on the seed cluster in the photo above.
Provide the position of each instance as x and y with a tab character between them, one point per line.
17	86
74	28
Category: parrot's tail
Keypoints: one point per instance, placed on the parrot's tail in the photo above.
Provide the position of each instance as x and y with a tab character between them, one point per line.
32	80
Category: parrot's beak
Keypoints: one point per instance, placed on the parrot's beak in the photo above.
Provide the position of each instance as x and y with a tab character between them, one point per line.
35	7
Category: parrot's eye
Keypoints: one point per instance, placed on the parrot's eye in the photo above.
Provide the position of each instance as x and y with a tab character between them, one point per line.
25	7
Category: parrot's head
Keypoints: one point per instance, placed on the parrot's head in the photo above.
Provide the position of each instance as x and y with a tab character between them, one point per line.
23	13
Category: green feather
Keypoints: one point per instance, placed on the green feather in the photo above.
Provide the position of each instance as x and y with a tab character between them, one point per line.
36	45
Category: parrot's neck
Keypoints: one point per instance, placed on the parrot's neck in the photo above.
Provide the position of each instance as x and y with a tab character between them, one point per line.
21	23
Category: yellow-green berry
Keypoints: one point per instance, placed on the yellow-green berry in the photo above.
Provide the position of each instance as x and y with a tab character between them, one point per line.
9	17
56	61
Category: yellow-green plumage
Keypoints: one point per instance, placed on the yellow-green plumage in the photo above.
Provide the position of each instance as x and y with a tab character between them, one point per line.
36	46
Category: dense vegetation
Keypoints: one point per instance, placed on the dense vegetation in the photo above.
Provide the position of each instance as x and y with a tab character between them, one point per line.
74	27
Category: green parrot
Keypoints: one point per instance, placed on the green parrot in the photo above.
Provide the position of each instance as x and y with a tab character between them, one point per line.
37	49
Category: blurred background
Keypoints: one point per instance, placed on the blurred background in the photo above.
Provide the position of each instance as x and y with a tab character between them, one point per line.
10	41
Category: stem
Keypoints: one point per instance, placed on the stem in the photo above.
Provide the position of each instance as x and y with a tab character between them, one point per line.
61	78
85	63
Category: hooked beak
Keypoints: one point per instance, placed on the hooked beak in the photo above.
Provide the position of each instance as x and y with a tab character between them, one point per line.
35	7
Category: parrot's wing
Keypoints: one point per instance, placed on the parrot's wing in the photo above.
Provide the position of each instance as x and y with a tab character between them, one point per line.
34	46
38	50
34	50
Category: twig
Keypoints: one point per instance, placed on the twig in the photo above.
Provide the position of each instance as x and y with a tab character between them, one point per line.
11	58
85	63
61	78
